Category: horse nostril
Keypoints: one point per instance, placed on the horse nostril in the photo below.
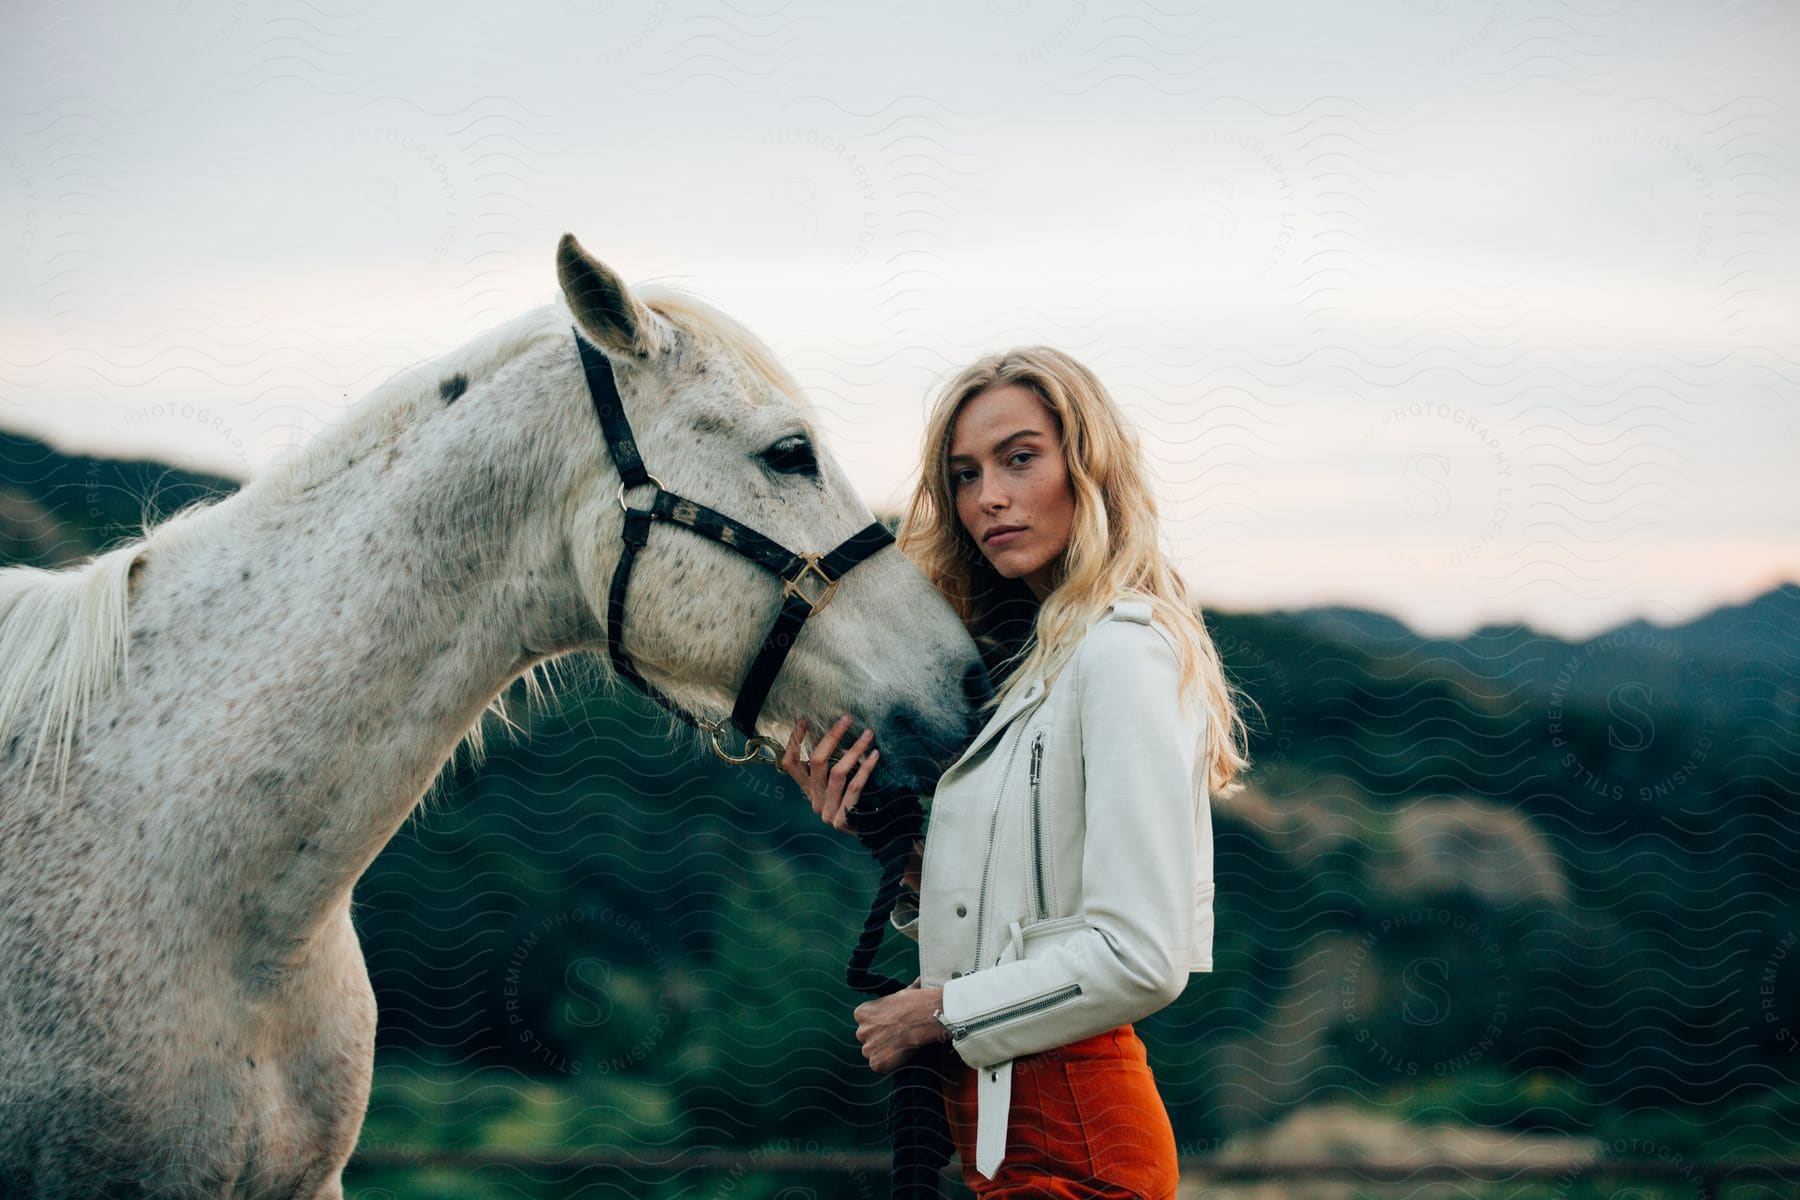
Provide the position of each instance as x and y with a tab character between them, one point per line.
907	725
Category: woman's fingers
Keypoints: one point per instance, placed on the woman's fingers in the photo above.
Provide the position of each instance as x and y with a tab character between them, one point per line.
853	789
801	770
790	757
840	770
840	775
831	791
829	784
829	742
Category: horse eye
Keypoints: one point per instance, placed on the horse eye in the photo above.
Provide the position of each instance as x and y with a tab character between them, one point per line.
791	456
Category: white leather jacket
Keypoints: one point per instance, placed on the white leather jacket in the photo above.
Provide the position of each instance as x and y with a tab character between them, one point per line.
1067	880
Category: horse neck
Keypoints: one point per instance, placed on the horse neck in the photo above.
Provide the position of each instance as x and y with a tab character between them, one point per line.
348	637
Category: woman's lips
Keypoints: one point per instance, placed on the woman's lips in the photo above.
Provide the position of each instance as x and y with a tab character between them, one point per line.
1001	539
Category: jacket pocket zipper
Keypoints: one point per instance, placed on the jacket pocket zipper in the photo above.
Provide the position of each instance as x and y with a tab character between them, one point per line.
963	1029
1037	829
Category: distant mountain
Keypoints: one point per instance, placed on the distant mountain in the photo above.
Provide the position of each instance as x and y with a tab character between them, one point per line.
1763	632
1535	861
1341	623
1768	624
57	508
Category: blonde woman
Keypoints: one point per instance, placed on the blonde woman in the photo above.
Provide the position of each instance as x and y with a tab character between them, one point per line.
1064	888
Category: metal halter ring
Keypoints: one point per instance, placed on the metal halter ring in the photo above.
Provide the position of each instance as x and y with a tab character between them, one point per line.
753	747
653	479
791	587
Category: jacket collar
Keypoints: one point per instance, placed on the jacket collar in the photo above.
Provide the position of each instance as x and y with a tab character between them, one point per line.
1016	704
1034	691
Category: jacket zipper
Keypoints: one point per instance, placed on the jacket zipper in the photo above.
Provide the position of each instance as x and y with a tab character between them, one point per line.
988	863
1037	832
963	1029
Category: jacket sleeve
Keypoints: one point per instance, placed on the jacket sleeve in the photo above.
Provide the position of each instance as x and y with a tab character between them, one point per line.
1139	747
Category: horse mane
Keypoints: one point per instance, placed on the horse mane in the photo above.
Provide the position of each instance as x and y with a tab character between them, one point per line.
692	315
406	398
64	633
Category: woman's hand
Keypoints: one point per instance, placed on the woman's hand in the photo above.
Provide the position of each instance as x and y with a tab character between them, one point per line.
831	790
892	1027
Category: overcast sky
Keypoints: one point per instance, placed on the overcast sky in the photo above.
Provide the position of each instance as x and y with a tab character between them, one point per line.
1463	312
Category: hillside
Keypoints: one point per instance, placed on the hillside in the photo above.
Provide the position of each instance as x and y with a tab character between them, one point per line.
1535	885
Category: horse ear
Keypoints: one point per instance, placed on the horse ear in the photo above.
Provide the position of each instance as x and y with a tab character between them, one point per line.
601	303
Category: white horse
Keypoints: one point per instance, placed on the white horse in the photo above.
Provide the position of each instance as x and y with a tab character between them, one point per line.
206	736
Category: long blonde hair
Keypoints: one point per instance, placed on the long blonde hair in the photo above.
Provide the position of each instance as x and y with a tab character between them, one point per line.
1114	544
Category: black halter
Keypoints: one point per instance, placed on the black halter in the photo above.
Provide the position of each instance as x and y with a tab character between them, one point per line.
888	824
794	569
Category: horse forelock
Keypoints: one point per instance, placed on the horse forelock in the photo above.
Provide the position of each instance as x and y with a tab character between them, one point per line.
695	317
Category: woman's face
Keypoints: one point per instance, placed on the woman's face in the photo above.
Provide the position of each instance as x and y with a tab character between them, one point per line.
1006	472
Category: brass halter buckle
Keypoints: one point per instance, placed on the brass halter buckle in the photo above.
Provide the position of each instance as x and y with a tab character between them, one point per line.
756	749
791	587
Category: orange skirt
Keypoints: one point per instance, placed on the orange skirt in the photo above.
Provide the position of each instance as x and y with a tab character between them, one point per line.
1086	1121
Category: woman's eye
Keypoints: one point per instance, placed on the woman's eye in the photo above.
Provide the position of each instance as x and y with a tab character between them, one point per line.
791	457
1020	454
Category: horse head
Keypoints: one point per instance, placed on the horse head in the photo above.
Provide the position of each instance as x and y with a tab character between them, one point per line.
718	422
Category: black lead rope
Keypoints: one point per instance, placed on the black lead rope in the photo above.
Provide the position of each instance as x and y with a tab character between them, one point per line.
918	1127
901	820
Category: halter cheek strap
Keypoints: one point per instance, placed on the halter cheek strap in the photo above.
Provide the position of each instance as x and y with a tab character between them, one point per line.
809	580
916	1122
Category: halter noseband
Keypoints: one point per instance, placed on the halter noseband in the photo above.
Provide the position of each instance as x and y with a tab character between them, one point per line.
799	572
